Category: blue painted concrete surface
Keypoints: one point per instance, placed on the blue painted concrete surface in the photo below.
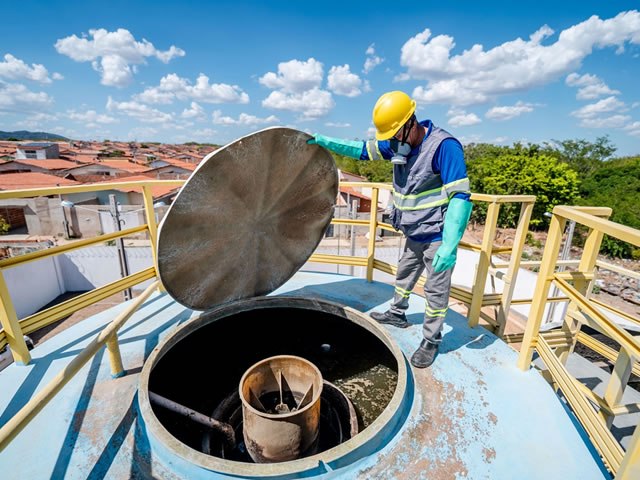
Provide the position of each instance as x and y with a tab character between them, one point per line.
473	414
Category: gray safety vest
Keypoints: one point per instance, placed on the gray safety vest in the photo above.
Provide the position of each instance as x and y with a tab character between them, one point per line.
420	199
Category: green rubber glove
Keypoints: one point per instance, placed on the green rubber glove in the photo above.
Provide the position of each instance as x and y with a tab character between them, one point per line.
349	148
455	222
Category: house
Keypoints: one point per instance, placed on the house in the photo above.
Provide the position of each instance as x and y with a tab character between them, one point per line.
38	215
37	150
54	166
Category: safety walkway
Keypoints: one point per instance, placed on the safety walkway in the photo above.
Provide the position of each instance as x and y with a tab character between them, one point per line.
473	414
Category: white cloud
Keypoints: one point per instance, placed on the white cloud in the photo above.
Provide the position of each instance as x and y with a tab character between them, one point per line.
15	97
195	111
57	76
15	69
243	119
500	139
174	87
476	76
37	120
613	121
606	105
372	60
113	54
337	124
310	104
590	86
508	112
139	111
90	116
142	133
342	82
467	139
463	119
295	76
633	129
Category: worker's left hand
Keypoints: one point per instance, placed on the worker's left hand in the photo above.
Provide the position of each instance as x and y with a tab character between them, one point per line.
444	259
455	222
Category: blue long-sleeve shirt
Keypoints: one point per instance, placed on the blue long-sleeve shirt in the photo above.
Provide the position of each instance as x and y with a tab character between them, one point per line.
448	160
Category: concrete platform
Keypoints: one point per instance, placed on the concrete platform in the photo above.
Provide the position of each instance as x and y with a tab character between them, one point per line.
473	414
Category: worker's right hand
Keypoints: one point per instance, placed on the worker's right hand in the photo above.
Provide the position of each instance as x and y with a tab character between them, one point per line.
349	148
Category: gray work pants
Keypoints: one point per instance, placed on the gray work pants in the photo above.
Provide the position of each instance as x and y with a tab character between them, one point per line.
416	258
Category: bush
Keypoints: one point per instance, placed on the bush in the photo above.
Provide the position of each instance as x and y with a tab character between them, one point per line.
522	170
615	184
4	226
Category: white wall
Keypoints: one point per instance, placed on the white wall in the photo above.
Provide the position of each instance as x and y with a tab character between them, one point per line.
35	284
32	285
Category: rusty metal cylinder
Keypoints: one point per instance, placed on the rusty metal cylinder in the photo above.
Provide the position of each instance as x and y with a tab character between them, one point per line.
281	408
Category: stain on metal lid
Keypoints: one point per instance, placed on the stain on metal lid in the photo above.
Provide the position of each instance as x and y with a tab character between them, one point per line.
247	218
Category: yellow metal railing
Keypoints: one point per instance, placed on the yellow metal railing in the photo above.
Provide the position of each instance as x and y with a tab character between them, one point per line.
474	298
596	413
13	329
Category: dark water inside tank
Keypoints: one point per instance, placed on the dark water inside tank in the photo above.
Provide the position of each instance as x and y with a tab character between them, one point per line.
201	370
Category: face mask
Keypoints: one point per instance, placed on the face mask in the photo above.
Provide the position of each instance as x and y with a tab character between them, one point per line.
401	148
401	151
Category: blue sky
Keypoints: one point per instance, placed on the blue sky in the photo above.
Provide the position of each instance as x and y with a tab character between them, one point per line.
211	71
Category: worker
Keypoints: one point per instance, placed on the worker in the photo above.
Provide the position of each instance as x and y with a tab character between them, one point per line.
431	207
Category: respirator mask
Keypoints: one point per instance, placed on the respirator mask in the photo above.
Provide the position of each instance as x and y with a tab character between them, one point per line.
401	149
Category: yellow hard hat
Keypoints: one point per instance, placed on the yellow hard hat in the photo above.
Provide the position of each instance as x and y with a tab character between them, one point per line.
391	112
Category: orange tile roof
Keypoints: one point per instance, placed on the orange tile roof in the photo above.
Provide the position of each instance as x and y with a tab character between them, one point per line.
124	165
355	193
16	181
156	191
49	164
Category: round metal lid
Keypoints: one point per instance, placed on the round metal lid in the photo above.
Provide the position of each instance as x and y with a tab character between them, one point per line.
247	218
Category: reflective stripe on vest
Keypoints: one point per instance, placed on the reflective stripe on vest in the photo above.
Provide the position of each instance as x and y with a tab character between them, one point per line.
373	151
430	198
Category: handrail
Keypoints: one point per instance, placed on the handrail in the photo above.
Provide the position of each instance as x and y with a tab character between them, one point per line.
583	310
474	299
40	400
89	187
58	249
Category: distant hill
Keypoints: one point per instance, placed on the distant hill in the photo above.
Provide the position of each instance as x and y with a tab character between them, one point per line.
26	135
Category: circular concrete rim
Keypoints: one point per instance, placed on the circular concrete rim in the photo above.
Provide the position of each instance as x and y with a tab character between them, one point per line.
215	464
279	416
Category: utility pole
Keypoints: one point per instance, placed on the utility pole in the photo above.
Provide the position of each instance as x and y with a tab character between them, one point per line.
353	214
65	222
564	255
122	257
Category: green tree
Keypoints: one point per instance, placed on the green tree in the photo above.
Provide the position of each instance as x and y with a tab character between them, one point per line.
373	170
583	156
4	226
615	184
523	170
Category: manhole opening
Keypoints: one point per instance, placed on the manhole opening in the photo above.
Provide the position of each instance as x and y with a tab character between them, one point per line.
360	373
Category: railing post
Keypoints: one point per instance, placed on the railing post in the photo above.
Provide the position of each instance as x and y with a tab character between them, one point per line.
539	300
616	384
151	222
373	225
484	261
587	265
115	358
630	466
9	320
514	265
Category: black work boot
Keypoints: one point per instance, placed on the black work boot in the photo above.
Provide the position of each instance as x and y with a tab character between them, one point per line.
424	355
390	318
